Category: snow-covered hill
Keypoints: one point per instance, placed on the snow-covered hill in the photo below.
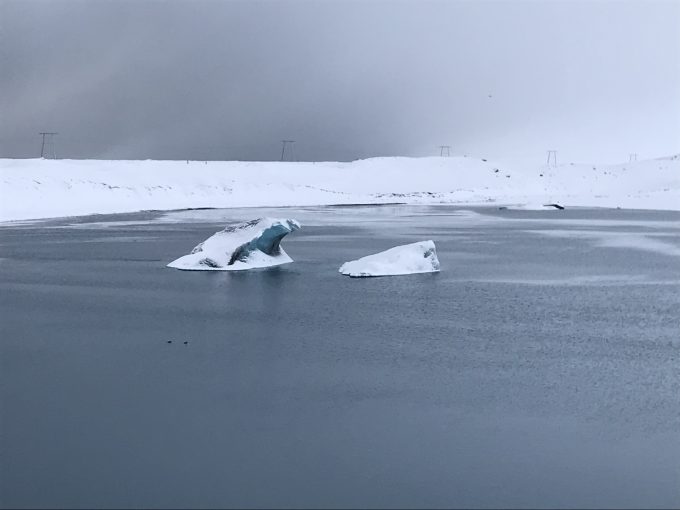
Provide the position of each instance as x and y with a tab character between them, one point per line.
36	188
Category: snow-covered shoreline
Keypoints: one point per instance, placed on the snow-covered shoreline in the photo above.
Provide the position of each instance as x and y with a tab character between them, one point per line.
37	188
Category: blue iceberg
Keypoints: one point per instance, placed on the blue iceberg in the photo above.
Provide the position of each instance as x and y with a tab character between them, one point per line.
249	245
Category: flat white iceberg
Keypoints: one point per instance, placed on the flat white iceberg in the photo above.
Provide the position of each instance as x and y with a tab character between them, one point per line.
412	258
248	245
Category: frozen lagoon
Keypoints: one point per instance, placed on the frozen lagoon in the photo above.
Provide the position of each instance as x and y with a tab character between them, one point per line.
539	368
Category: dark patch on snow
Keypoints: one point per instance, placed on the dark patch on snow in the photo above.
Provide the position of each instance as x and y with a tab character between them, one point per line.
209	262
241	226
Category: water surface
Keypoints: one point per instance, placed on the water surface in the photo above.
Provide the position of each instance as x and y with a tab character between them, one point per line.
539	368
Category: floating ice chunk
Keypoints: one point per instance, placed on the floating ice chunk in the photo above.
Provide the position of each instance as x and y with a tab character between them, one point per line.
249	245
418	257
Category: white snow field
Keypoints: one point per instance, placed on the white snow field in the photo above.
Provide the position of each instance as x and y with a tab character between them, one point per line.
38	188
249	245
411	258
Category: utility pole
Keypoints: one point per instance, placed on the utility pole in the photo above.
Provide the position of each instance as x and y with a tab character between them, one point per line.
444	148
632	157
48	146
291	151
552	155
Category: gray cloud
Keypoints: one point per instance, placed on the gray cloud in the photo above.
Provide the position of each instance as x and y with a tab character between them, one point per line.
346	79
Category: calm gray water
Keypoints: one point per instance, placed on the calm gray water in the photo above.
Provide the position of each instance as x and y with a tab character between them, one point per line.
539	368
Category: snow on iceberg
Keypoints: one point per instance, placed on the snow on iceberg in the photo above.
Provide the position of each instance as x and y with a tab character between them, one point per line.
412	258
248	245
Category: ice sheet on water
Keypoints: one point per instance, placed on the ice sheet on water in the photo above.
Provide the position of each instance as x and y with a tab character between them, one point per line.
630	240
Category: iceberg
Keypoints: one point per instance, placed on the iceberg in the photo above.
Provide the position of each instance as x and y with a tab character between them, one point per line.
249	245
412	258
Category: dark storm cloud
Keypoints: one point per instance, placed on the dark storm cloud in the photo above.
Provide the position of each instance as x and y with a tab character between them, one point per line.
346	79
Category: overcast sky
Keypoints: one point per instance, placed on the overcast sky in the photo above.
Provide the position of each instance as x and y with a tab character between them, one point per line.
345	79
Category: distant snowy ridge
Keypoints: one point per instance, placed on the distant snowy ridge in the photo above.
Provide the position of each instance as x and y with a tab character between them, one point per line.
36	188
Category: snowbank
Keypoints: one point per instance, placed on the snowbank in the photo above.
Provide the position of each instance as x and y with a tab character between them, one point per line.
247	245
36	188
407	259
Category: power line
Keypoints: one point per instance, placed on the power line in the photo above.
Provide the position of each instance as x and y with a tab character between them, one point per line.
48	146
552	155
291	149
